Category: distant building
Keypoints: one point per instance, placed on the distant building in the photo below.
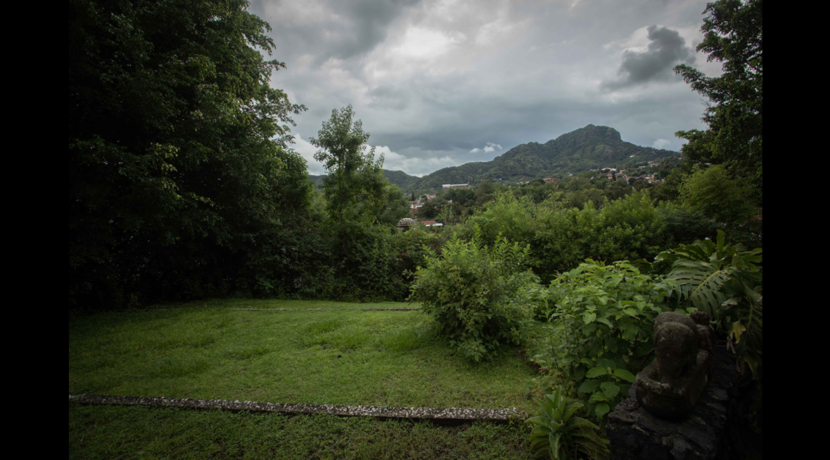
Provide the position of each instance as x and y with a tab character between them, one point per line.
431	223
431	197
551	180
449	186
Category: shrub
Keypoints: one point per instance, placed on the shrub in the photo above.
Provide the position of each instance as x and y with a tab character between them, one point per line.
601	321
476	294
408	253
628	228
563	435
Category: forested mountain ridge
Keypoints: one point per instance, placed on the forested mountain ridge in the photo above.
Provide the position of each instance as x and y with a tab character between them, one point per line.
586	148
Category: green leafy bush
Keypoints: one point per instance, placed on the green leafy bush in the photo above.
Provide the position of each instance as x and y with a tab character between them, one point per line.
361	258
477	294
562	434
409	253
628	228
715	194
601	319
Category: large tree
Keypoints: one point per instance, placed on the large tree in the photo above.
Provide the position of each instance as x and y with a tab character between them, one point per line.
179	154
733	36
354	186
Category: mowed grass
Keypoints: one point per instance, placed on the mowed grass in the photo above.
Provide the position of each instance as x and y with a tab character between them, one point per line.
113	432
341	356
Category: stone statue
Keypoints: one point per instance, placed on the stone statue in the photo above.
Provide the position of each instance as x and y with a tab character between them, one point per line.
670	386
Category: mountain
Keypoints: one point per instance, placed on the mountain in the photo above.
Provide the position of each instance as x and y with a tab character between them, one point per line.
586	148
403	180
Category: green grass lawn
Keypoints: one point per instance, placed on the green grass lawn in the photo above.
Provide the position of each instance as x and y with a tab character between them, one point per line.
341	356
116	432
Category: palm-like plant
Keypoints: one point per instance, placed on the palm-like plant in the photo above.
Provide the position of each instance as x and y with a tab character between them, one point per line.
561	433
724	282
701	270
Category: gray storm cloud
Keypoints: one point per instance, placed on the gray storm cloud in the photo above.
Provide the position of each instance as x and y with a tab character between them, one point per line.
328	29
444	82
666	50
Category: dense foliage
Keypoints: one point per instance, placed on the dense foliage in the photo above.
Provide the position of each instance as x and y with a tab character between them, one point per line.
409	251
477	294
724	281
601	319
179	163
733	31
561	237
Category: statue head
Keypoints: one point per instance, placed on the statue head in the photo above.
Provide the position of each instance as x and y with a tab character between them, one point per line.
700	317
676	343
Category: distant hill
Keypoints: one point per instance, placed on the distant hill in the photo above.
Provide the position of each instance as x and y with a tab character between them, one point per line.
586	148
403	180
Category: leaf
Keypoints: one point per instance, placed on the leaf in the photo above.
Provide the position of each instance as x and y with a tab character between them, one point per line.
737	329
596	372
597	397
624	375
602	409
610	389
702	282
554	444
588	386
540	422
589	317
605	362
572	408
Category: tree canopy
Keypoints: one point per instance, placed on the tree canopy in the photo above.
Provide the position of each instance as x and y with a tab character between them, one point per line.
178	147
355	182
733	36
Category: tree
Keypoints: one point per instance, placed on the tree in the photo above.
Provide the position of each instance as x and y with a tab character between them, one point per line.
179	157
733	36
712	192
355	181
427	211
396	207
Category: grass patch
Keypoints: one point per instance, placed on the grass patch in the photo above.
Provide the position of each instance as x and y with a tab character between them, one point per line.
339	356
107	432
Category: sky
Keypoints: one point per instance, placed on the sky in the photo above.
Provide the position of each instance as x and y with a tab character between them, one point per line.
440	83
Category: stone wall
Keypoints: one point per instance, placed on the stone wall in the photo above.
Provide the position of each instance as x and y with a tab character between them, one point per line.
637	434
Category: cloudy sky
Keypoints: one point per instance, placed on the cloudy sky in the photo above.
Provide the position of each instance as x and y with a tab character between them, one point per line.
440	83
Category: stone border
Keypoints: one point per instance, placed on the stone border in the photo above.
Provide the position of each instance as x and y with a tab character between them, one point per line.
324	309
448	415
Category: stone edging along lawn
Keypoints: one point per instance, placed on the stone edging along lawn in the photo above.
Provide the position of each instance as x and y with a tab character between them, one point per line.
324	309
447	415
